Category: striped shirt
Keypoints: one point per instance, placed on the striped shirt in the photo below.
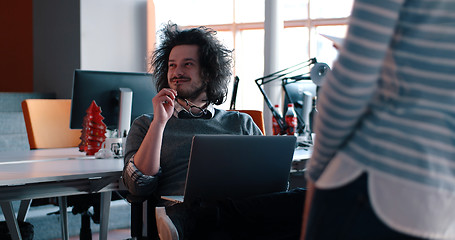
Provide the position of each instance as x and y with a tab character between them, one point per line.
388	108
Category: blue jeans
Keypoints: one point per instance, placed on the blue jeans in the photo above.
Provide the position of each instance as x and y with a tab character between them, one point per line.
346	213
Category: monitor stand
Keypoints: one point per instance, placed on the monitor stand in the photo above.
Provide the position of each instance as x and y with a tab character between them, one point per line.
125	104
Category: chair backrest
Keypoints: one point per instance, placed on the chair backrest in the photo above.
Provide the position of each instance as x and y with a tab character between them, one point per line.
257	116
48	123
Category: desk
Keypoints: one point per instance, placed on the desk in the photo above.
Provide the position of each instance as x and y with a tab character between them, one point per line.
54	173
297	173
301	155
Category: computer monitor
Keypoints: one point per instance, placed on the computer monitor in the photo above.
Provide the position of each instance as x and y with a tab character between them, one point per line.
301	94
104	88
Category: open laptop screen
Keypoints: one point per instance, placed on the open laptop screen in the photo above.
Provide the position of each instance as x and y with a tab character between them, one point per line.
233	166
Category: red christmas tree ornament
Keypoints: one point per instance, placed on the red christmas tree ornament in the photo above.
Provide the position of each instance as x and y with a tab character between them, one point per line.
93	130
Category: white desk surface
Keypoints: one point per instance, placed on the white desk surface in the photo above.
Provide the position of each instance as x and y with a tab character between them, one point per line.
53	173
46	165
302	153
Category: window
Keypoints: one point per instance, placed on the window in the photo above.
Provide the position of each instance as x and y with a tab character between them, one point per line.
240	25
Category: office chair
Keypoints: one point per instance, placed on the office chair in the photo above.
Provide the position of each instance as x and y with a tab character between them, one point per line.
47	123
137	214
258	118
137	202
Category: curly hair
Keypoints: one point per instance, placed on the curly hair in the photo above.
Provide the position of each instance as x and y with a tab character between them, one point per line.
215	59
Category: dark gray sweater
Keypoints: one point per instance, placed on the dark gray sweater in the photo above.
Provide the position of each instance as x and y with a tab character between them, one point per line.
175	150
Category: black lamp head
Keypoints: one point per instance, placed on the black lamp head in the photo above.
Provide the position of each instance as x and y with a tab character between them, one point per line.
318	72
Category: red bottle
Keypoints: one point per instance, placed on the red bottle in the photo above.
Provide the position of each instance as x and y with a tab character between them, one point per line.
291	120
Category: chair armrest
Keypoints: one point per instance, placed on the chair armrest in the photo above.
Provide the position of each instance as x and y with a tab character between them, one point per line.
137	212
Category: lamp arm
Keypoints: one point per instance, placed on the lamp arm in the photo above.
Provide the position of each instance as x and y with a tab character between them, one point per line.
266	79
276	115
308	63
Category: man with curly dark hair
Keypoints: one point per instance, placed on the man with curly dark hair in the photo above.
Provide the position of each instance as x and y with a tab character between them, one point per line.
214	59
192	71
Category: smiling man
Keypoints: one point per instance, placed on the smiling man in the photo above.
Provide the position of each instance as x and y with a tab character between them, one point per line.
183	72
192	71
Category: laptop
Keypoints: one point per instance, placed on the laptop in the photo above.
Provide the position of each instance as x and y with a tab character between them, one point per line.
236	166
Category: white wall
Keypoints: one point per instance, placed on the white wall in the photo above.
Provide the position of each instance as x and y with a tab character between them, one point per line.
113	35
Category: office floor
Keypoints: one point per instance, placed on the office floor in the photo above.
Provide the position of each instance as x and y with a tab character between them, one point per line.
116	234
46	224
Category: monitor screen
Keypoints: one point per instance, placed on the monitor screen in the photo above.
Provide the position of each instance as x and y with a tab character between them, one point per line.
103	87
294	93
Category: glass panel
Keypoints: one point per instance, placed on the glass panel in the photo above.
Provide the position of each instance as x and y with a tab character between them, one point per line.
227	38
249	44
249	66
330	8
253	10
249	11
294	46
293	10
194	12
325	51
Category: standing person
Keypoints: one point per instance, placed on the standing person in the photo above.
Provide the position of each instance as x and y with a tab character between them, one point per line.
192	71
383	165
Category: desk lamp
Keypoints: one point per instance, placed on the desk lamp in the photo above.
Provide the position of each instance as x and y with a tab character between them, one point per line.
316	75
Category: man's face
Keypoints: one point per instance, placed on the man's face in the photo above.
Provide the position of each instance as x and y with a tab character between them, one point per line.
184	71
